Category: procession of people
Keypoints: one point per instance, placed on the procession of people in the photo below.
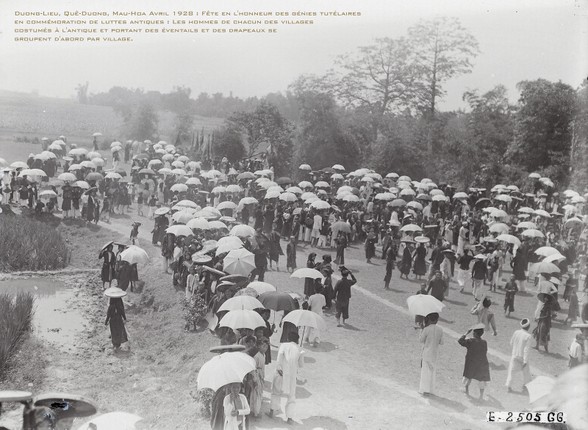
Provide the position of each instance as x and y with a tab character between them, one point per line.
221	226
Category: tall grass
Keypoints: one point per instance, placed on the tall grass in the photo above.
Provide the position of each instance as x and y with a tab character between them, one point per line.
30	245
16	315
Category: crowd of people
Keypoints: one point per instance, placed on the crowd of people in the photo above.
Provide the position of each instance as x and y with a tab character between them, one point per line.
204	210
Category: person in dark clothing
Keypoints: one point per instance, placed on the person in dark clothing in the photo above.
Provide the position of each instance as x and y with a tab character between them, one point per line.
275	249
476	362
291	255
341	242
510	290
342	294
406	262
390	259
437	286
261	247
108	265
309	283
115	316
479	273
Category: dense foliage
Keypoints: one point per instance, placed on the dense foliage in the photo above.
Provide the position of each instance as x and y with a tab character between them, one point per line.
30	245
16	315
378	106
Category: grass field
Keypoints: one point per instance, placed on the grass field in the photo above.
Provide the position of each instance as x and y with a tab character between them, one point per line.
25	118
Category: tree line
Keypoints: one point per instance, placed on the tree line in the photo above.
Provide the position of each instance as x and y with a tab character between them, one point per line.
378	106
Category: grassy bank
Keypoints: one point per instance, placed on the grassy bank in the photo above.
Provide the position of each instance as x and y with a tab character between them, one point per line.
30	245
157	378
16	316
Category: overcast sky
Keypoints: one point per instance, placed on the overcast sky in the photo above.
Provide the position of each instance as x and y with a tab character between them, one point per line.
519	40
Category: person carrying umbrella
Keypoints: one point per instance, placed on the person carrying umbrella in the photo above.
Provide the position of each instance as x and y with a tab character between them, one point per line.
115	317
476	361
108	265
543	328
510	290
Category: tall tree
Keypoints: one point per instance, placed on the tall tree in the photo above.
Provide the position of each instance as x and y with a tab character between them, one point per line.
443	49
321	139
143	124
228	142
267	133
543	128
82	93
579	148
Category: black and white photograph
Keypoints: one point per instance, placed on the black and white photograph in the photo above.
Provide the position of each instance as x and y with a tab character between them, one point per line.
293	214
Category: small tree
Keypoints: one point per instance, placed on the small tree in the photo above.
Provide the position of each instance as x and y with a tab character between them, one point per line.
143	122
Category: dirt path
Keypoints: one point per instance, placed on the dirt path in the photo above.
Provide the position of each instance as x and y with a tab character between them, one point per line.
366	375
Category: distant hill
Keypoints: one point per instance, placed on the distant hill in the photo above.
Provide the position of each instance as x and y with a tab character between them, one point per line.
24	117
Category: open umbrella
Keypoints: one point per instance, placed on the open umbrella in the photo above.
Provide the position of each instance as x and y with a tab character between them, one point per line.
542	213
217	225
223	369
423	304
277	301
228	243
198	223
112	421
242	230
499	228
239	262
161	211
67	177
240	302
546	267
527	224
186	204
533	233
320	205
242	318
307	273
397	203
261	287
539	388
546	251
47	194
509	238
183	216
180	188
554	257
94	176
573	222
133	254
305	318
179	230
411	228
341	226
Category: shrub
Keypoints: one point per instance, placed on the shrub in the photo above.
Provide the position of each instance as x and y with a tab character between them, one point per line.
30	245
16	315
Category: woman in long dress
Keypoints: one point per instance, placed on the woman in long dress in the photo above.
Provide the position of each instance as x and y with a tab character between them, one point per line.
541	332
115	316
420	265
108	265
406	261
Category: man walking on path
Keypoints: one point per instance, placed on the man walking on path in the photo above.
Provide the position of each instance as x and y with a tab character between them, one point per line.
342	295
431	337
519	361
290	359
437	286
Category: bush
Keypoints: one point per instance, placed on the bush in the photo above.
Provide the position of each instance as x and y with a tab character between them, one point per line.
30	245
16	315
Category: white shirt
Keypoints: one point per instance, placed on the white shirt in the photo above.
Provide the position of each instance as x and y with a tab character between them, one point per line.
576	350
318	222
431	337
316	303
521	344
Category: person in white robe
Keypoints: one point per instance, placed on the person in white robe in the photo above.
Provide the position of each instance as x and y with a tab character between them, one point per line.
290	359
431	337
519	360
236	409
316	302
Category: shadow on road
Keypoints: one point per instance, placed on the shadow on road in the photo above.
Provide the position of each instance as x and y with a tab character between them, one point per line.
321	422
443	403
348	326
325	347
453	302
302	393
495	366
